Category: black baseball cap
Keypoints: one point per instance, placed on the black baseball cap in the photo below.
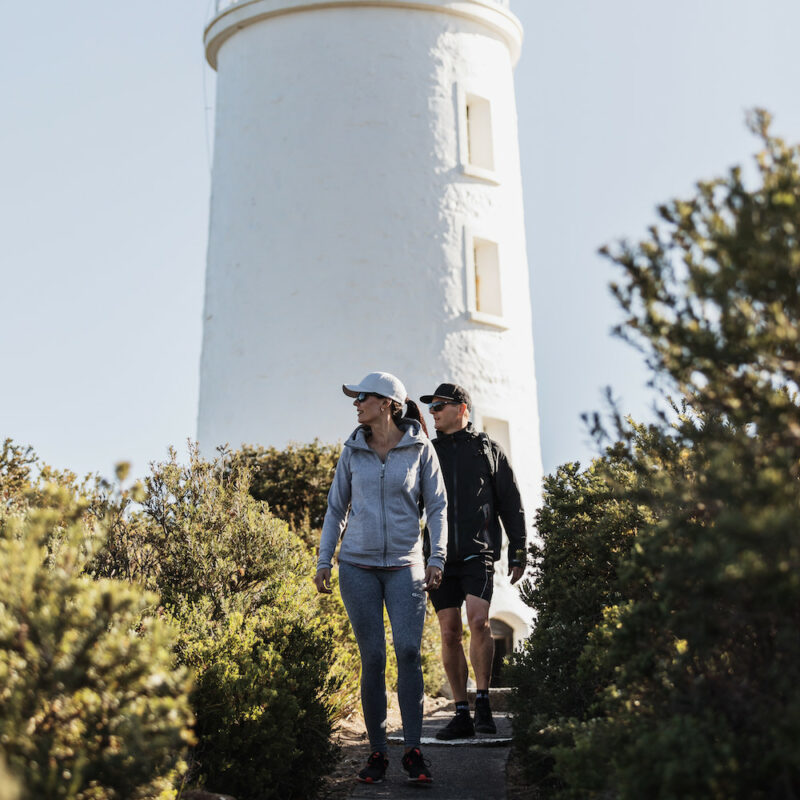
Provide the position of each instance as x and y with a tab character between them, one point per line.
449	391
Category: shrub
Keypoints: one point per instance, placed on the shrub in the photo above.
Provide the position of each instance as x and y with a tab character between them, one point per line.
91	706
15	471
707	661
584	527
294	482
237	583
695	661
262	682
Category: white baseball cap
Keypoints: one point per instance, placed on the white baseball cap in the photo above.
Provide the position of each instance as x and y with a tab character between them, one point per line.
382	383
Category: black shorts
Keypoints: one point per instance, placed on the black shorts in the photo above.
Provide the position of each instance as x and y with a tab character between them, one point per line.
475	577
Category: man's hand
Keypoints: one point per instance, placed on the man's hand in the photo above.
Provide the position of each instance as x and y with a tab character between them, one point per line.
433	578
515	573
322	580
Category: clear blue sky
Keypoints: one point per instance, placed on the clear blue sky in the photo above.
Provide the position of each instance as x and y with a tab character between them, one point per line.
104	169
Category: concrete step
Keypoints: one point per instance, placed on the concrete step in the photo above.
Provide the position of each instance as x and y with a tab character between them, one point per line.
499	698
431	723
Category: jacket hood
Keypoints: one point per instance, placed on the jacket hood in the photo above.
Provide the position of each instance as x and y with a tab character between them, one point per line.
412	435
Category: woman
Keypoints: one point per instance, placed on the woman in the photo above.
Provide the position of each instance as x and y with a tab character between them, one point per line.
386	466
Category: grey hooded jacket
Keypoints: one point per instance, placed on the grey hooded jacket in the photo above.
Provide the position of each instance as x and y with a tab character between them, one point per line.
374	505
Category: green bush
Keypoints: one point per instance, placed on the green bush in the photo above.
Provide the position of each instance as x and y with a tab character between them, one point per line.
269	662
91	705
585	526
294	482
15	476
275	663
707	661
262	682
694	660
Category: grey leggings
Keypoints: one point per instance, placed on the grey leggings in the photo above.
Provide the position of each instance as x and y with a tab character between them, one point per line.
364	592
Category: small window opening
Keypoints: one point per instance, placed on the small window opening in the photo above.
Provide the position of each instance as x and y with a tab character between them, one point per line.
497	429
487	278
479	132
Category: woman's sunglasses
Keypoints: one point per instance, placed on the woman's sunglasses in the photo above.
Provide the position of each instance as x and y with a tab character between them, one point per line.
362	396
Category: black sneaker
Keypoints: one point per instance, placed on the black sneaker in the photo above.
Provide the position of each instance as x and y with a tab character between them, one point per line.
483	716
417	767
460	727
375	769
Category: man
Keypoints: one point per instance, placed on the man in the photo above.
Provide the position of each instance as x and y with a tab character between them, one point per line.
480	489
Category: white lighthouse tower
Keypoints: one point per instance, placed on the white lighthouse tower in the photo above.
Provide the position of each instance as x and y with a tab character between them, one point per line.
366	214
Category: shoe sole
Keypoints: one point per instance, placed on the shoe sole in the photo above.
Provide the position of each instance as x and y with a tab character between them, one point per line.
421	781
446	736
368	780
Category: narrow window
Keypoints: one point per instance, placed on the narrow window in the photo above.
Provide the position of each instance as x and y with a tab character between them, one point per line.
487	277
497	429
480	150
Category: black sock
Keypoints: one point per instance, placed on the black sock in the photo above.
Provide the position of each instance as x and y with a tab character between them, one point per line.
482	694
462	707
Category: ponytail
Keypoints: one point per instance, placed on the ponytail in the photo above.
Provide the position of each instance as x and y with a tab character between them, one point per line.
412	412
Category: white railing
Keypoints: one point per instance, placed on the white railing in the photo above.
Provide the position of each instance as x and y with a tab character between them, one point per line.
221	5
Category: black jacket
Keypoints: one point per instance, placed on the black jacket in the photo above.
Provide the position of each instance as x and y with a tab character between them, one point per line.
475	501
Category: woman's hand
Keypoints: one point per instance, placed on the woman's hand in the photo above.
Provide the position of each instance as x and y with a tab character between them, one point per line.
433	578
322	580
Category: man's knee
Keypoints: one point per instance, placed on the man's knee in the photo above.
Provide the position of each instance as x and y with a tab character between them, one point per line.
450	627
478	617
452	638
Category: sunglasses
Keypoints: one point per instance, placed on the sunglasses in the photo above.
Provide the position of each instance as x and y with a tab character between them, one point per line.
362	396
440	404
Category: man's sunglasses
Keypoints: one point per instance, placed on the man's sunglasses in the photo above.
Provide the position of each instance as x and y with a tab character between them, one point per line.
362	396
440	404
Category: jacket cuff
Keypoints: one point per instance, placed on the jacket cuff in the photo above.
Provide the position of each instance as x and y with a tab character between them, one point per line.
434	561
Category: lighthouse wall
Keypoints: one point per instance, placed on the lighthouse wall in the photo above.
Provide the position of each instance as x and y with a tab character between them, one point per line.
344	221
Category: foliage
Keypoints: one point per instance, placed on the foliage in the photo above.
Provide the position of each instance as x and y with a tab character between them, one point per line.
234	582
214	541
237	583
262	680
584	528
697	650
91	704
294	482
274	663
15	475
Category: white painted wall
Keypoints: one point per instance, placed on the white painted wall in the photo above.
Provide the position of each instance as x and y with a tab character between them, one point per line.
342	219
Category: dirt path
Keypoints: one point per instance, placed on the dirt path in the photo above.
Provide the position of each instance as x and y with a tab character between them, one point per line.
465	770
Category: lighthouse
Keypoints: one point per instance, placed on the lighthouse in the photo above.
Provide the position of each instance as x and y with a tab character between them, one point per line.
366	214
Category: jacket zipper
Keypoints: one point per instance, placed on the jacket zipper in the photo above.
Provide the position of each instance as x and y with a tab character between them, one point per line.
383	510
455	501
